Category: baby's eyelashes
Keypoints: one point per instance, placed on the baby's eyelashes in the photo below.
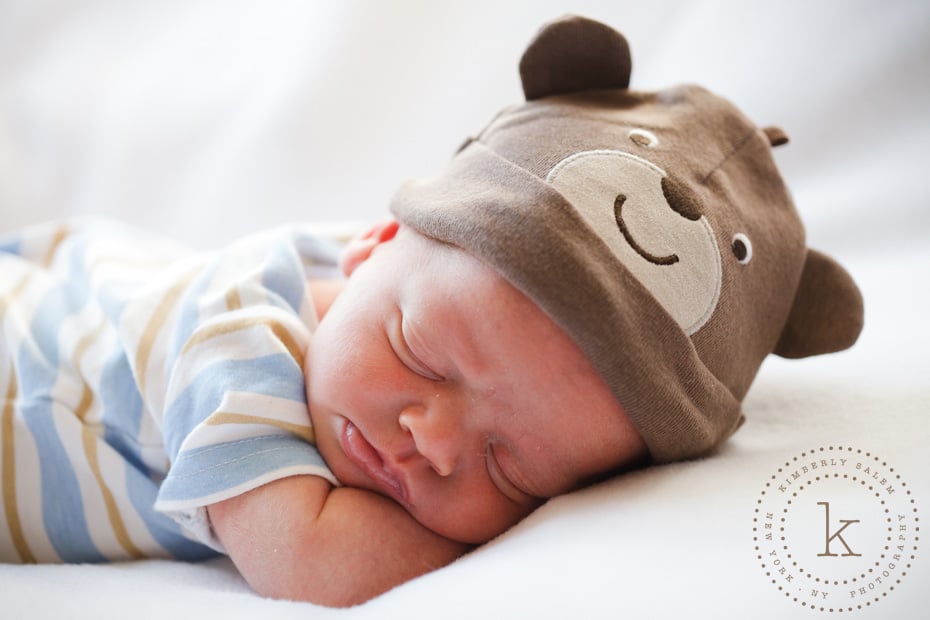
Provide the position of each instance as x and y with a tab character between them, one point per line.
501	480
415	363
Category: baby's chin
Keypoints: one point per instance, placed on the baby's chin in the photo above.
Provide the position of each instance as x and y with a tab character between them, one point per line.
461	527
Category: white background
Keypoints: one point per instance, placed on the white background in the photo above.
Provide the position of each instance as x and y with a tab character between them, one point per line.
207	119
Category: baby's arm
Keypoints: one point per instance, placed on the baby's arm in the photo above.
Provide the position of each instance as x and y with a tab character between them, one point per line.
300	538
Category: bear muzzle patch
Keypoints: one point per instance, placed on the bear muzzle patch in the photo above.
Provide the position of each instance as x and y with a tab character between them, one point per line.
652	223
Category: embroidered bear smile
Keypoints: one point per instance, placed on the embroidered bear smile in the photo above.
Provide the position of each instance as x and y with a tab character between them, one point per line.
671	259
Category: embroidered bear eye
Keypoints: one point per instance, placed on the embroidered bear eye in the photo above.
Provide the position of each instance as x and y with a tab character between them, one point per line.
643	137
742	248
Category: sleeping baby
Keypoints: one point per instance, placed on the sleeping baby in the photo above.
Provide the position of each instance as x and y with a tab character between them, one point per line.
589	286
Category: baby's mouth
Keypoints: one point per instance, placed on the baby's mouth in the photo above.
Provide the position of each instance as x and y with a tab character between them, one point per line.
367	458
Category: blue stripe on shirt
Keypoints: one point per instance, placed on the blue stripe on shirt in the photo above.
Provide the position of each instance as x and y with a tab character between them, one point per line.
283	277
10	244
273	375
122	409
204	471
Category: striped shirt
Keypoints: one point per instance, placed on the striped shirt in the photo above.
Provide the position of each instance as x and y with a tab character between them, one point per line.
142	381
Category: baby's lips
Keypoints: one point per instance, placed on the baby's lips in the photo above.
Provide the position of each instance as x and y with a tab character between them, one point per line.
367	458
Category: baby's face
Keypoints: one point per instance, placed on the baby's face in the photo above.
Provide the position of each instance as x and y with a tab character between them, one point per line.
433	381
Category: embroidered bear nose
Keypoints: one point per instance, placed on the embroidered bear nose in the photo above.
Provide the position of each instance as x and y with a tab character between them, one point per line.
681	199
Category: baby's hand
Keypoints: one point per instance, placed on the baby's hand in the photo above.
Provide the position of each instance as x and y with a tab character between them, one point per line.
299	538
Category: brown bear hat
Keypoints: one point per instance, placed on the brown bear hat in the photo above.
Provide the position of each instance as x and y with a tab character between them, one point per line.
653	227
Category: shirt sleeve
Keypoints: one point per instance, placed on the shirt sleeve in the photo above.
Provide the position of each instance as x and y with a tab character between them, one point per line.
219	356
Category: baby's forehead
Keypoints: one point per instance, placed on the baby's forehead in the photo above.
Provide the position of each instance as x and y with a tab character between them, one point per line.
444	260
484	296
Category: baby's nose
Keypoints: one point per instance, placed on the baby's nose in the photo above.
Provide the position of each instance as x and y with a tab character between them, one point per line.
436	436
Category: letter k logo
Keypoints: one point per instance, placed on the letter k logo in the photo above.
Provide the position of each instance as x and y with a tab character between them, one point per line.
837	534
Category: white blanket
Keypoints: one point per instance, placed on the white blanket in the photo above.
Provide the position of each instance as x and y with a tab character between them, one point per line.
208	119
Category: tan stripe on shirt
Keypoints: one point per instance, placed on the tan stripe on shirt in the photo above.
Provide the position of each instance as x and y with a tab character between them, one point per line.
89	441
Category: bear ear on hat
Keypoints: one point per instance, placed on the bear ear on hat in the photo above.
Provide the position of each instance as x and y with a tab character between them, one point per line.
827	312
775	135
573	54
